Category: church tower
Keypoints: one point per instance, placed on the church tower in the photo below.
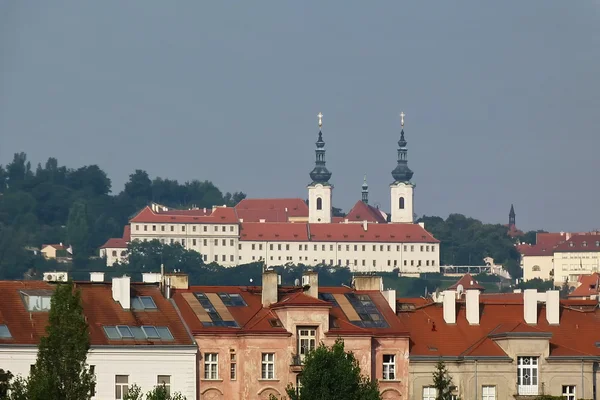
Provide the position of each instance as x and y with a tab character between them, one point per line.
319	191
402	188
365	191
512	217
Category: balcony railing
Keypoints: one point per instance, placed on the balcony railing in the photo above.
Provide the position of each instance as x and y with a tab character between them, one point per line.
296	360
528	390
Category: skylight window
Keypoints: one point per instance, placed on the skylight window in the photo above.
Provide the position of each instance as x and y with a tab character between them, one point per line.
4	332
330	298
370	317
143	303
37	300
215	317
145	332
232	300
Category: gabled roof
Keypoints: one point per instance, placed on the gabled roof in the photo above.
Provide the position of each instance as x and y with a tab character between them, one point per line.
580	243
385	233
588	285
276	215
364	212
293	207
467	282
501	315
219	215
537	250
119	243
99	308
55	246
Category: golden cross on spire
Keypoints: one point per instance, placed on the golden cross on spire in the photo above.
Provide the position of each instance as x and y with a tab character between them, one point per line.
402	115
320	115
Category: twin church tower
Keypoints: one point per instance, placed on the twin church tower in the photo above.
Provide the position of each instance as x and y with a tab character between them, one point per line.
401	190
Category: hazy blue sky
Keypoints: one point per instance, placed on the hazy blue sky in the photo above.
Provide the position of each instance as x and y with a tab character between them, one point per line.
502	98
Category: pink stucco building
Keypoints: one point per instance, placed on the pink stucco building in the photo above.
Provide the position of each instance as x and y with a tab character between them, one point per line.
252	340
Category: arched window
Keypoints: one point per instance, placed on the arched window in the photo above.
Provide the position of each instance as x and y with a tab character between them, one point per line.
401	203
535	268
319	203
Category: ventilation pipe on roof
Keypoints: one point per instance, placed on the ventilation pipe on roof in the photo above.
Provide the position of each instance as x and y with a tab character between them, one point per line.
472	306
530	299
96	276
365	225
311	278
553	307
449	306
269	288
121	291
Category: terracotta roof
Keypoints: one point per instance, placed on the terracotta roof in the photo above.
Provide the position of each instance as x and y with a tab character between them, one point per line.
296	207
550	238
580	243
588	285
99	308
127	233
119	243
500	314
275	215
467	282
273	231
56	246
365	212
223	215
253	318
385	233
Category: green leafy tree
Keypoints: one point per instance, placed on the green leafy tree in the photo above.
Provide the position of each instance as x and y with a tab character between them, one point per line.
5	378
331	373
60	371
442	381
158	393
78	229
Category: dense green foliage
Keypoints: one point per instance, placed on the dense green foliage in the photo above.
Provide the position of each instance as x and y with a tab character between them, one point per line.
60	371
331	373
442	382
5	378
158	393
54	204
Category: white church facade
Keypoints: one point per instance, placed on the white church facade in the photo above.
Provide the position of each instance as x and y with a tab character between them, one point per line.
288	231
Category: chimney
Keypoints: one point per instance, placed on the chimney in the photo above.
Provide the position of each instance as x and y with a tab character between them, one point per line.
365	225
472	306
390	296
178	280
422	225
269	288
311	278
530	298
553	307
121	291
450	306
368	282
151	277
96	276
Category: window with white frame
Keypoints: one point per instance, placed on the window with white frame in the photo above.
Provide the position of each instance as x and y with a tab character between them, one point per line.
211	366
232	366
268	366
121	386
488	392
307	341
429	393
164	380
527	375
389	367
568	392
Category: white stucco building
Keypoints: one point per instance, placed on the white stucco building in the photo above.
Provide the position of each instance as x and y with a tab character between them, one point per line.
136	335
280	231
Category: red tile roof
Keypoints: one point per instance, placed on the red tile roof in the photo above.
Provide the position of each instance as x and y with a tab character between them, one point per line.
550	238
500	314
273	231
55	246
254	318
542	249
276	215
119	243
467	282
294	207
588	285
580	243
99	308
220	215
365	212
386	233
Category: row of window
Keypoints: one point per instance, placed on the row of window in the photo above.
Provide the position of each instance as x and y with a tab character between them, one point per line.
173	228
122	385
123	332
323	247
489	392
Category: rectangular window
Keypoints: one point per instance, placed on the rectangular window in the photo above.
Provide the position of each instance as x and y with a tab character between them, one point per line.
527	375
363	247
568	392
421	247
193	242
162	228
305	247
121	386
322	247
145	228
223	229
153	228
412	248
205	242
216	228
355	247
211	366
231	258
300	247
224	257
224	241
268	366
287	247
239	246
137	227
205	228
488	392
260	246
426	248
164	380
307	340
381	248
363	263
183	228
231	242
232	366
374	263
172	228
204	257
405	263
216	258
347	247
183	242
271	246
330	247
194	228
216	242
429	393
389	367
253	246
279	247
374	247
427	263
231	228
389	248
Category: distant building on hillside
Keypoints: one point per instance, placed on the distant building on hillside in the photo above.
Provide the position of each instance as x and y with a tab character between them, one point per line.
54	251
513	231
281	231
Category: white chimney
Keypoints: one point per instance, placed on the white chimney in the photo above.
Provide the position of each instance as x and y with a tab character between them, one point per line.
472	306
530	298
390	296
269	288
422	225
365	225
151	277
312	280
121	291
553	307
96	276
450	306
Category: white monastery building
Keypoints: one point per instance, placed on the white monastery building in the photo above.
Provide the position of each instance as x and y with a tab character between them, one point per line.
280	231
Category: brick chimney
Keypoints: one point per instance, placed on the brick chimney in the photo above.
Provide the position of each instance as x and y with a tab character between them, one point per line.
450	306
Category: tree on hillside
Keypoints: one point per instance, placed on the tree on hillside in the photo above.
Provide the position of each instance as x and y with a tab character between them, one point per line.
78	229
158	393
331	373
60	371
442	382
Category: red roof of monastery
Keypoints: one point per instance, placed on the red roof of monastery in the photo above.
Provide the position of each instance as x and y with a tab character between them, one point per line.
26	328
294	207
365	212
580	243
220	215
273	231
119	243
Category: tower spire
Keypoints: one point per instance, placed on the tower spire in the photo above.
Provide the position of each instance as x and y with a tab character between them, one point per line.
512	217
320	173
402	173
365	191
